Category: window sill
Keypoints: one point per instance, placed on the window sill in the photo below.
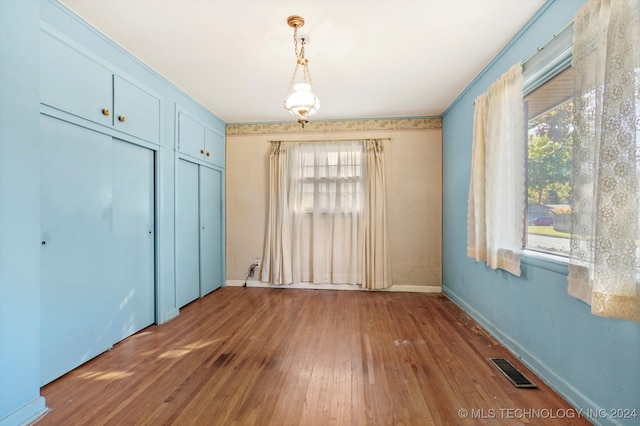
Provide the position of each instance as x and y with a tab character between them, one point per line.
550	262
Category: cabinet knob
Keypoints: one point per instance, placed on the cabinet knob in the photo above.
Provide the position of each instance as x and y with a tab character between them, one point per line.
202	151
208	154
122	118
106	111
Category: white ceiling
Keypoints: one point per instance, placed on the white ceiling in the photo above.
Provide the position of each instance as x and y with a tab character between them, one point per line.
368	58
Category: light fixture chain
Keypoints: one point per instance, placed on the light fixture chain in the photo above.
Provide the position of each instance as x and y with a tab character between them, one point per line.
293	80
295	40
306	74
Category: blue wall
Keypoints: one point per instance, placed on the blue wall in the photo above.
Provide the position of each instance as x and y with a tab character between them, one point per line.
593	362
19	214
20	165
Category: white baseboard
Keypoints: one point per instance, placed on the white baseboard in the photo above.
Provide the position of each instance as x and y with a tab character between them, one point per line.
415	288
307	286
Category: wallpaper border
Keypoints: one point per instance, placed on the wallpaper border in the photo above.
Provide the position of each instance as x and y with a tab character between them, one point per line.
336	126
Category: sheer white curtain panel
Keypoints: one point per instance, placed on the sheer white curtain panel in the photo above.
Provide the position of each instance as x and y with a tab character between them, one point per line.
605	255
495	216
327	216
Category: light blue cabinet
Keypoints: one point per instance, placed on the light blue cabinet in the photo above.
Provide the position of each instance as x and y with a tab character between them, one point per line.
98	205
74	83
135	111
97	259
190	136
199	209
199	141
214	145
199	231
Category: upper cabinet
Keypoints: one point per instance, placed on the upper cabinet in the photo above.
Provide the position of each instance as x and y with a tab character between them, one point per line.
135	111
214	145
199	141
75	83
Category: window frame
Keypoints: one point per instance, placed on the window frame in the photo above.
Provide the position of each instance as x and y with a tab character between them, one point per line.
548	62
316	181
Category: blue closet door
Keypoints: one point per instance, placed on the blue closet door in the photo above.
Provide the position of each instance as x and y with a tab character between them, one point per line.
187	233
76	267
97	258
133	276
210	230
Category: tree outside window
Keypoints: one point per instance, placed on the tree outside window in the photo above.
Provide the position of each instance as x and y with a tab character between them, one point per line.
549	156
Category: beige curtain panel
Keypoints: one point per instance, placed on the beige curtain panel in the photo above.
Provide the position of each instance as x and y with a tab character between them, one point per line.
495	216
277	267
376	265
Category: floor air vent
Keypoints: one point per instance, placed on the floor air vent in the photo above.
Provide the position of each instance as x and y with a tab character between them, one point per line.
518	379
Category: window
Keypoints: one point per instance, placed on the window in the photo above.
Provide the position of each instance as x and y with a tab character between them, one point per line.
319	228
548	88
549	150
330	178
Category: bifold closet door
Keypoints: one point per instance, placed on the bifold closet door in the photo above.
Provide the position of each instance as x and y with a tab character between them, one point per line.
187	233
97	263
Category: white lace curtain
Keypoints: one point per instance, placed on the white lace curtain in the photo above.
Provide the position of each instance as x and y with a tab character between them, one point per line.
327	215
605	257
495	216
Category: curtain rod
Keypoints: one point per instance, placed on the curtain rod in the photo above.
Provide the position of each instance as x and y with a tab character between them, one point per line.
331	140
539	49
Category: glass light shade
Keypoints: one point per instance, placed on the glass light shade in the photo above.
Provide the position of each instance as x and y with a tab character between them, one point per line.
302	102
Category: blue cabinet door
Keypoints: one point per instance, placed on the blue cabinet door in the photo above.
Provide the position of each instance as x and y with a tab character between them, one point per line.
135	111
210	230
214	146
187	233
71	81
199	141
74	83
190	136
97	253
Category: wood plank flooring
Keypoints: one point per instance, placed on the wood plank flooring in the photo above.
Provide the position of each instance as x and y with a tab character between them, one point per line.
258	356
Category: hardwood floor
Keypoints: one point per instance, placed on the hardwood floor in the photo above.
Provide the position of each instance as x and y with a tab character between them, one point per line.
257	356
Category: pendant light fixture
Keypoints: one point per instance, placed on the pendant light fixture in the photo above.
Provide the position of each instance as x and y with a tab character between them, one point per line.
300	100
